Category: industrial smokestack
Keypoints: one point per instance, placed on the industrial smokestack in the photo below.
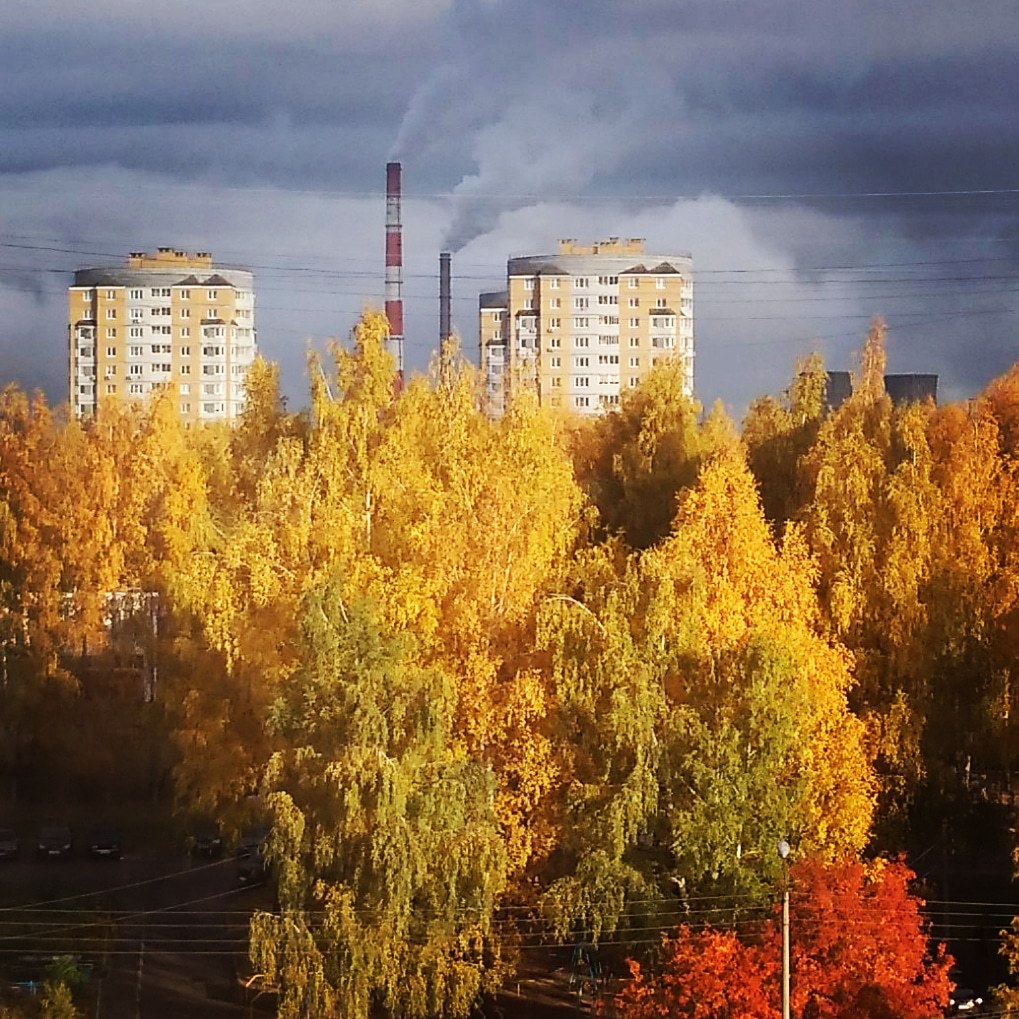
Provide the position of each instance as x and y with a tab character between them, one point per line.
445	298
394	265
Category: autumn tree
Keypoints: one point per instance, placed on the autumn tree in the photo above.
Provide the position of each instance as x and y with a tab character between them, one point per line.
706	710
633	461
859	950
778	432
386	845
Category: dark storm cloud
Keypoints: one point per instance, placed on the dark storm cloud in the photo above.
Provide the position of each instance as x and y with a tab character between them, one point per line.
546	118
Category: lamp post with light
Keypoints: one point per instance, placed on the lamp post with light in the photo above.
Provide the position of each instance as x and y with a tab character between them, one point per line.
783	851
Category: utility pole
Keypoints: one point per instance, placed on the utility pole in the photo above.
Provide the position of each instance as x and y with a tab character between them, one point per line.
783	851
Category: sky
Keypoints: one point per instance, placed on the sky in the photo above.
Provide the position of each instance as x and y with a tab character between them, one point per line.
823	163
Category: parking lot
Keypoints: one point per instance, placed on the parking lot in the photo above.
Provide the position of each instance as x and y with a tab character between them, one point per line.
159	932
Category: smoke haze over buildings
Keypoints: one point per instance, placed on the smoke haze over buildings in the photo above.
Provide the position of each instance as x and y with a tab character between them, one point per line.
857	161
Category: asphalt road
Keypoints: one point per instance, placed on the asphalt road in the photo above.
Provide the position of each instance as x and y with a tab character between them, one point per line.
168	937
165	936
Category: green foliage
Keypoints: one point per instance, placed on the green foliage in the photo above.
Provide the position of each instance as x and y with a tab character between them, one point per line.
389	858
634	461
470	661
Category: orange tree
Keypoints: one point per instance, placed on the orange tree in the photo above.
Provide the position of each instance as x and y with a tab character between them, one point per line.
859	950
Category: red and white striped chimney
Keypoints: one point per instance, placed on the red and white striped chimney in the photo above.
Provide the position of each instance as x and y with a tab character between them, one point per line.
394	265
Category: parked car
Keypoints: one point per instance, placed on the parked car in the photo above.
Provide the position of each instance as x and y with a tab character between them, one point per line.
104	842
54	843
252	868
10	847
964	1001
207	840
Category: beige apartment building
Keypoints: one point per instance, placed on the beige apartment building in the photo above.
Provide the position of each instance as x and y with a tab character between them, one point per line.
168	319
584	325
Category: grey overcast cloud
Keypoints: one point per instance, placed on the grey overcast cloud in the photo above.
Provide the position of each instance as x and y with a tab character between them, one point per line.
822	162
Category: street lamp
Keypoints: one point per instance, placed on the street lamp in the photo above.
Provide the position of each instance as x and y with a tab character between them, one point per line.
783	851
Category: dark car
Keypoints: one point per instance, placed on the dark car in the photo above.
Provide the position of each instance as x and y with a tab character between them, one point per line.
207	841
55	842
10	847
965	1001
252	868
104	842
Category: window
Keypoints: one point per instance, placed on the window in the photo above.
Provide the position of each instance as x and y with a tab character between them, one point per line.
87	351
162	367
634	323
160	291
111	312
634	341
608	299
185	369
134	369
555	362
111	295
634	362
185	313
111	388
111	371
553	282
634	302
633	380
580	302
162	330
163	311
211	294
581	281
580	323
581	401
660	283
185	351
556	302
554	323
583	381
136	388
583	341
529	305
557	381
184	388
185	332
529	283
136	351
554	342
581	362
136	332
111	333
660	302
185	408
631	282
136	295
111	351
185	295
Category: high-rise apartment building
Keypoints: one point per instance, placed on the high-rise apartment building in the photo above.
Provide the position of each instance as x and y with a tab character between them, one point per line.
169	319
584	325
